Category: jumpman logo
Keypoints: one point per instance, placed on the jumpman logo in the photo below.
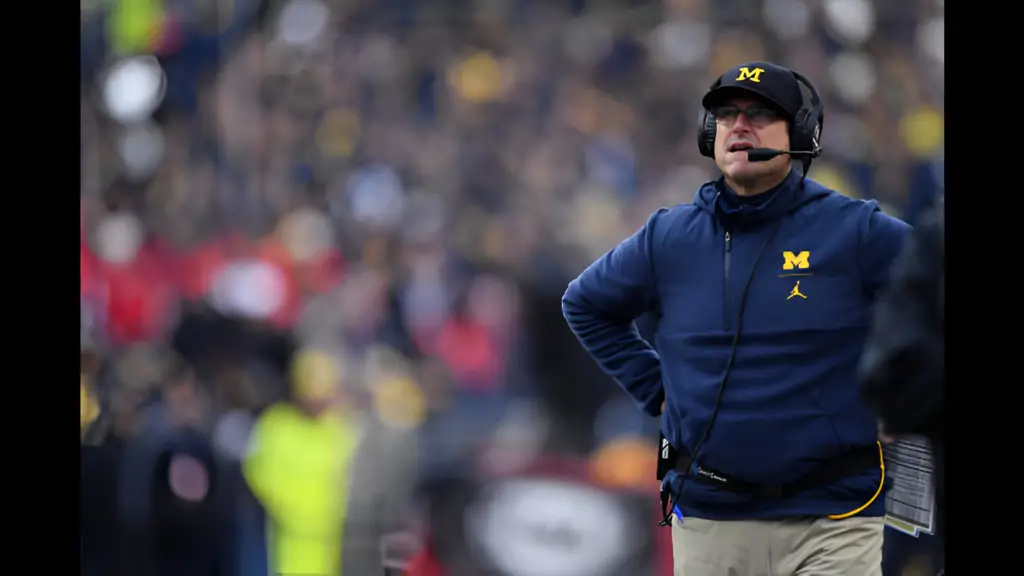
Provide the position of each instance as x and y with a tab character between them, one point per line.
796	292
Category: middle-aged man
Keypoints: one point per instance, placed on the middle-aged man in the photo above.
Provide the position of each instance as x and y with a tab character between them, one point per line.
763	289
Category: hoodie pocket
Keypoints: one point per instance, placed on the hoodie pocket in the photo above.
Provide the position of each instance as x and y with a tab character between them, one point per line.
769	449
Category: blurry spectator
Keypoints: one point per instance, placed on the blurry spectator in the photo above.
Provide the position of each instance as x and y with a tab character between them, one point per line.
473	343
366	307
110	545
129	275
299	464
567	381
170	482
384	471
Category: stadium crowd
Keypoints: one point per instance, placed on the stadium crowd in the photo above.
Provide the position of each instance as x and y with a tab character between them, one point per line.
373	207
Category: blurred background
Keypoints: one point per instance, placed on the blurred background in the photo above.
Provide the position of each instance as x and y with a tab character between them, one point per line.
323	244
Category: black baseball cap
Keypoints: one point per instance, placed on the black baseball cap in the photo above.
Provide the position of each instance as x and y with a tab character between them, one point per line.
769	82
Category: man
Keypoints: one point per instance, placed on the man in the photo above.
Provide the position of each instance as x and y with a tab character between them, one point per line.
903	368
775	465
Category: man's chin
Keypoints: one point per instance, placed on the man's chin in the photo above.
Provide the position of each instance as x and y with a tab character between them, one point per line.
746	173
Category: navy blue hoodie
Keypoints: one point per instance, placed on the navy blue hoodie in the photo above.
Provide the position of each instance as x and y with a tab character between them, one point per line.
792	397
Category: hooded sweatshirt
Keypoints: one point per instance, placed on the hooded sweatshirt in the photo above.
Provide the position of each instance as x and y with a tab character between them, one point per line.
804	264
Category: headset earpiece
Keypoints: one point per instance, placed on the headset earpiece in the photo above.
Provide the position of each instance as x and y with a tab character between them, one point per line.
805	133
707	128
706	132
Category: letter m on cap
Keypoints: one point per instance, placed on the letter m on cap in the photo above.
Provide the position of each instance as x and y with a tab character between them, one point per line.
791	261
748	74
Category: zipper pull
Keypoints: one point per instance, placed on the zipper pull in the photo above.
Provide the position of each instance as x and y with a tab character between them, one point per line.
728	242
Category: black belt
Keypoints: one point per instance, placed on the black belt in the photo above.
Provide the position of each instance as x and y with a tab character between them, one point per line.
846	464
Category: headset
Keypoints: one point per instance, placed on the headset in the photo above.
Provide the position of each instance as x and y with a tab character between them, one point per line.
804	130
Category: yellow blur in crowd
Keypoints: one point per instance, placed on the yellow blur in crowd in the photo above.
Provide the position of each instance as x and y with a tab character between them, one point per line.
135	25
298	467
89	407
478	78
624	464
924	132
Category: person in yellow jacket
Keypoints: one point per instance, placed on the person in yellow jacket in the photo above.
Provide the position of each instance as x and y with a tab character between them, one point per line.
298	467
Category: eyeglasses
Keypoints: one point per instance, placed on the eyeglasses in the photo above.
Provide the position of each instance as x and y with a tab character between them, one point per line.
759	116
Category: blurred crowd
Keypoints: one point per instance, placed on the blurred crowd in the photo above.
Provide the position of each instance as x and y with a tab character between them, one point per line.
321	269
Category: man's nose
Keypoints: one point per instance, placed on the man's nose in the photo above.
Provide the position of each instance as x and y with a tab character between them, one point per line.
742	123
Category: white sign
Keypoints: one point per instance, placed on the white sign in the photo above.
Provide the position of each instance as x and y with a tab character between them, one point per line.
540	527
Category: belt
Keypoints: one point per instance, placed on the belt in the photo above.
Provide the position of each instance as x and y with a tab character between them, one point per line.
846	464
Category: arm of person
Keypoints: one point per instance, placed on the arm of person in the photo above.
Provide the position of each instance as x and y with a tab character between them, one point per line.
882	239
902	367
601	306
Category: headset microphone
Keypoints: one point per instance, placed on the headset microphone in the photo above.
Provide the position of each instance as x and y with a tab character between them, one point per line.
766	154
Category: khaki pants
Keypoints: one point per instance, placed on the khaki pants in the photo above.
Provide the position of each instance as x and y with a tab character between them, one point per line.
849	547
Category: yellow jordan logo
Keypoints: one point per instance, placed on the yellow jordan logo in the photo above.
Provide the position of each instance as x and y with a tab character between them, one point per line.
796	292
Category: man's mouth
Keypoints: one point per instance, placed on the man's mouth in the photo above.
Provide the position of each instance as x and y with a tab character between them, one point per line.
737	146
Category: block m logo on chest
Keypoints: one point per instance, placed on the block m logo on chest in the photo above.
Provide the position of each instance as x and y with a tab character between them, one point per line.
791	261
